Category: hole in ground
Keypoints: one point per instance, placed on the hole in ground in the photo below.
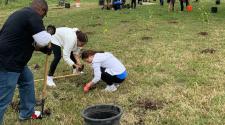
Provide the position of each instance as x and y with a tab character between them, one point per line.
146	38
208	50
203	33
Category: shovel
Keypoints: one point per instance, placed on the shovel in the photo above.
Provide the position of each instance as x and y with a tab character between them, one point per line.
44	91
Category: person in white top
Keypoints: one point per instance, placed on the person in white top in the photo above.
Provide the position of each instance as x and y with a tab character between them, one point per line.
106	67
69	39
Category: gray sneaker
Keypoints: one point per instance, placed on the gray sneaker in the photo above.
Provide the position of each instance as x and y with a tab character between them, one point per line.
117	84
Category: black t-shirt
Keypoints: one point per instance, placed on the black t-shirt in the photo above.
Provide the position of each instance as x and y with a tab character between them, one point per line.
16	39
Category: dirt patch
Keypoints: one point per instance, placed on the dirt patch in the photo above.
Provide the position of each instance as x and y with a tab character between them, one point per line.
146	38
15	105
94	25
47	112
203	33
65	98
208	50
36	67
149	104
140	122
173	22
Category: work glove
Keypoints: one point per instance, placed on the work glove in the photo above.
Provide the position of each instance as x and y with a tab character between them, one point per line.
87	87
46	50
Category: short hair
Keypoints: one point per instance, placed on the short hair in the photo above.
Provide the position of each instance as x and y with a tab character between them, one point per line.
42	3
82	37
51	29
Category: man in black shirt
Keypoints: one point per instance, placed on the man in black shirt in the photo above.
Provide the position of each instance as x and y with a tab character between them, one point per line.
22	30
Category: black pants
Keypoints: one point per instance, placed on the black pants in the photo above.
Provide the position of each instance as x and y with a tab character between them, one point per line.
57	56
182	4
109	79
133	3
161	2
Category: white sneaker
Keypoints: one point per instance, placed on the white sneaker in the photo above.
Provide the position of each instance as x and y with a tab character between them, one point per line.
110	88
117	85
35	115
50	81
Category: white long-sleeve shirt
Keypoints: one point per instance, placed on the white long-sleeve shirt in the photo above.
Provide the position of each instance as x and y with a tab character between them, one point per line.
67	39
42	38
106	60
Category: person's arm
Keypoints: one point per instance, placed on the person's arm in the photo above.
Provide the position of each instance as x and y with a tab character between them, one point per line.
97	72
97	77
42	38
67	49
77	58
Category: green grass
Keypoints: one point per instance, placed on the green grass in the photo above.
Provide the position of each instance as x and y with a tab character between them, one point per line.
168	67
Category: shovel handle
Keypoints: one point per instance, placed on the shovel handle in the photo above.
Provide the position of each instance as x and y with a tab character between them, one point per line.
44	92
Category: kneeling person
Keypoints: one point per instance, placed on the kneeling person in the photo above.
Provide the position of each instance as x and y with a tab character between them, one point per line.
106	67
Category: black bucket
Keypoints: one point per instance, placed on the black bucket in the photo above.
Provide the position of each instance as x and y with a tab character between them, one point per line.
102	115
214	10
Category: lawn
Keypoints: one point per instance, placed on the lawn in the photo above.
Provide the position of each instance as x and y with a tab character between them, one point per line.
175	61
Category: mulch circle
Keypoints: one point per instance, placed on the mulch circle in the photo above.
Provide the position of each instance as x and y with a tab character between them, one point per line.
208	50
203	33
